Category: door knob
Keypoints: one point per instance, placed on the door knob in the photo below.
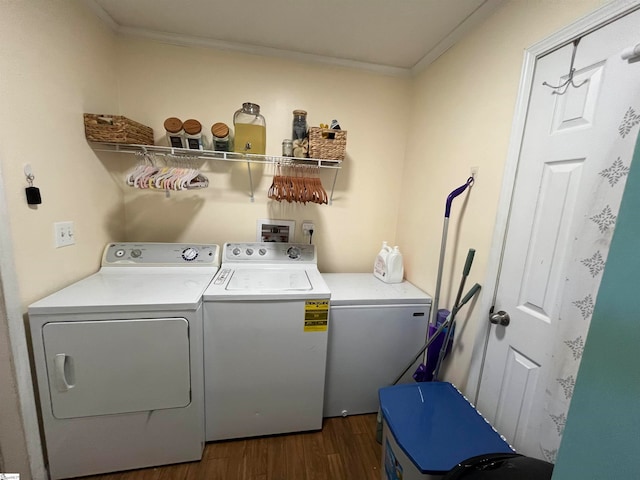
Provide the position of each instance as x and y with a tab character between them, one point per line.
500	318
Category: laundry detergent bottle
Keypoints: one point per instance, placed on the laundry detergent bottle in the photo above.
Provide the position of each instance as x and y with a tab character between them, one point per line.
395	266
380	265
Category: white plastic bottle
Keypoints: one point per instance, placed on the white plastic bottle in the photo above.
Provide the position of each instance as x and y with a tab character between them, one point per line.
395	267
380	265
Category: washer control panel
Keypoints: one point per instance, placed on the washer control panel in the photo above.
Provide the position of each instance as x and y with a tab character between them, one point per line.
269	252
222	276
160	254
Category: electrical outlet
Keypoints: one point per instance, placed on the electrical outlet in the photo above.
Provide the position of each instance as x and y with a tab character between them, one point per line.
307	226
63	234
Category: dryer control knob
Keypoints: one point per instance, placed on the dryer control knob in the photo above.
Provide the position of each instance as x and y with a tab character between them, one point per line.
236	251
293	252
190	254
135	253
249	251
262	252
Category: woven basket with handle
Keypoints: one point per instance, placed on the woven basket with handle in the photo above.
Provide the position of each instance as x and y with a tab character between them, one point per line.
116	129
328	144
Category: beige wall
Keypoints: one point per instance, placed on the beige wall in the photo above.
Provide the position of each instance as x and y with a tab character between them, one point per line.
456	114
51	74
463	106
158	81
56	62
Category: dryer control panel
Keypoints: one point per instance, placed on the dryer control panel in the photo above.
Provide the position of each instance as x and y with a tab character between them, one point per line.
269	252
160	254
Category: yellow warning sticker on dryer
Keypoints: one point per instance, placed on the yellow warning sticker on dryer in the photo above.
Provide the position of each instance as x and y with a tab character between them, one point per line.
316	315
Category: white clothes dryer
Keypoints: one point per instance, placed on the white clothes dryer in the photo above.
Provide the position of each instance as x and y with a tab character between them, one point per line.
265	341
119	362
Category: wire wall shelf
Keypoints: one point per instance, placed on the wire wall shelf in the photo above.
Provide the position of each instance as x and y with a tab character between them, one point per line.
173	153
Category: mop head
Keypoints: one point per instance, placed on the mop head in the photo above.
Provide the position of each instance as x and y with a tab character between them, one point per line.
424	373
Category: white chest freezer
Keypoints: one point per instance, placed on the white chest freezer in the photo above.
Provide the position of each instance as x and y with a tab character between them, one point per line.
376	328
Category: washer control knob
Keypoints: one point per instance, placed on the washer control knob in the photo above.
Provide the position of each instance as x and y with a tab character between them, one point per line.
136	252
190	254
249	251
236	251
119	253
262	252
293	252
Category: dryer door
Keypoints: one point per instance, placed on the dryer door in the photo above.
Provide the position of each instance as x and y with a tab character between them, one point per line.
117	366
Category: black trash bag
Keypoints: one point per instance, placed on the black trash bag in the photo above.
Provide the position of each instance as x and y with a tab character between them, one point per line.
501	466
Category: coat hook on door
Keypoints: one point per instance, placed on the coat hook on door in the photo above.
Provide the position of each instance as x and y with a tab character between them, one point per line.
569	82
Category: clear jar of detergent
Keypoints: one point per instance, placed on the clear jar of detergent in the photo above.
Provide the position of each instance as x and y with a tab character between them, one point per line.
250	130
193	134
175	133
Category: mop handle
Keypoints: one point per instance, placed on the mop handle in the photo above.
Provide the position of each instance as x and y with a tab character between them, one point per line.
465	273
452	317
467	265
436	296
454	194
469	295
457	307
443	246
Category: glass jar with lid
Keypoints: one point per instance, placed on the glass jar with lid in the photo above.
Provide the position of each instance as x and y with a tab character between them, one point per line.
175	133
299	131
287	148
221	137
250	130
193	134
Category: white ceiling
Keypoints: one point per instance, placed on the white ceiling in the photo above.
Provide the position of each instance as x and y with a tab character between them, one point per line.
390	36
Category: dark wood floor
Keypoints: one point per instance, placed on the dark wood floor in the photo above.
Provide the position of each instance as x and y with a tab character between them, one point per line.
346	448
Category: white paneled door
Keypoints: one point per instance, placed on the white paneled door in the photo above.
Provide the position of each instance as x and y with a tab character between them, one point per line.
574	158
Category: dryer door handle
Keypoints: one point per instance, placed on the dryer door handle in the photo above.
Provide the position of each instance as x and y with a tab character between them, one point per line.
64	372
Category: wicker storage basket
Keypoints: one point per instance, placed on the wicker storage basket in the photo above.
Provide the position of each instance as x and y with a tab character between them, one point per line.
116	129
327	148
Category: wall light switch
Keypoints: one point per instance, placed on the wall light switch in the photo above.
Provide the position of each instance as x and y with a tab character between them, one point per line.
63	234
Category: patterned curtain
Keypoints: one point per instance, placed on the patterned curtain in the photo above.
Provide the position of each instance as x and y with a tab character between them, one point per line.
584	274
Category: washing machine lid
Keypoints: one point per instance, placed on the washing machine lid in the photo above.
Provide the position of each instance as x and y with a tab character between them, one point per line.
271	282
128	290
366	289
269	279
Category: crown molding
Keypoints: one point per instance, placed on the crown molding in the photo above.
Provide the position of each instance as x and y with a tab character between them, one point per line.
202	42
481	13
102	14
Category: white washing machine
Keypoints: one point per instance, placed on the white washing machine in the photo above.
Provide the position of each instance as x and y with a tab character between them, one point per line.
376	329
119	360
265	341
